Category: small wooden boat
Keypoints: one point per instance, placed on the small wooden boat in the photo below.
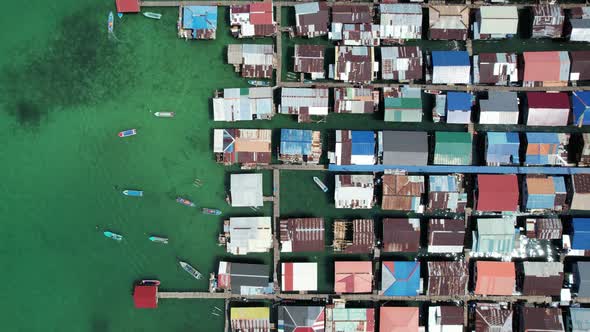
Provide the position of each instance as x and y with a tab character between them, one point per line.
113	236
433	92
258	83
158	239
128	132
214	212
164	114
191	270
150	282
155	16
320	184
307	81
134	193
111	22
185	202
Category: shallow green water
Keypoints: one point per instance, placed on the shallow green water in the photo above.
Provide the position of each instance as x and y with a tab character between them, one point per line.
65	91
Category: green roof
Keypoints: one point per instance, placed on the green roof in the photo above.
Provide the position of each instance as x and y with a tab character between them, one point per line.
452	148
403	115
403	103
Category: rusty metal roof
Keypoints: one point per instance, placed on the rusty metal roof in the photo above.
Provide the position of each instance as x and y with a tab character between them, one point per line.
542	319
491	317
309	58
302	234
402	192
447	278
401	235
354	236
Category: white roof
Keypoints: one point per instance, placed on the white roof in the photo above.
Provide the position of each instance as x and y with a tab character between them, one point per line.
249	234
246	190
304	277
359	195
499	20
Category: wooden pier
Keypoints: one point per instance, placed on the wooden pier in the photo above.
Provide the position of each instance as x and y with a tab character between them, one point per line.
276	212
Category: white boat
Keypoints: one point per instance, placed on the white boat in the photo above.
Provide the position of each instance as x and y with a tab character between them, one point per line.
191	270
155	16
164	114
320	184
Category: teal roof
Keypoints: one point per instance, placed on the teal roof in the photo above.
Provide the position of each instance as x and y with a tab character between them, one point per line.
494	235
452	148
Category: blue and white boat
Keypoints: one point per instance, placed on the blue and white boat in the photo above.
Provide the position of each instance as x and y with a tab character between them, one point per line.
127	133
113	236
320	184
111	23
134	193
158	239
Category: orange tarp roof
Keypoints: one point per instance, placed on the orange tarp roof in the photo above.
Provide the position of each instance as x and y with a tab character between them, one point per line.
540	185
495	278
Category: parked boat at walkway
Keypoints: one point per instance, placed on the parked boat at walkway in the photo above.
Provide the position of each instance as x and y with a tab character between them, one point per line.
258	83
320	184
191	270
149	282
111	23
134	193
128	132
164	114
155	16
211	211
113	236
185	202
158	239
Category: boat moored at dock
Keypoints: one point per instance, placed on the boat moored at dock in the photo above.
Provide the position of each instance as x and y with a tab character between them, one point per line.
164	114
128	132
111	23
149	282
114	236
158	239
320	184
211	211
133	193
190	270
185	202
258	83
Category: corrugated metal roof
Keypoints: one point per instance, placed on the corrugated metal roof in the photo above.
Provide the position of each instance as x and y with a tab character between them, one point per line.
495	278
246	189
353	277
296	141
491	317
581	235
580	318
249	234
494	235
447	278
401	235
497	192
581	107
452	148
542	319
459	101
297	318
404	148
302	234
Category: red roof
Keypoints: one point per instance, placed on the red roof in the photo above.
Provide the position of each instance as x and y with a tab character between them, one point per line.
127	6
497	192
145	297
548	100
541	66
261	13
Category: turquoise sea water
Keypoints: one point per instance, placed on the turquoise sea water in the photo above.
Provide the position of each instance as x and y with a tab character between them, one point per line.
65	92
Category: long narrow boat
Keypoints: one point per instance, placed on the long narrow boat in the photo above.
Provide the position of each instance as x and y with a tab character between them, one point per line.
150	282
191	270
258	83
185	202
158	239
164	114
113	236
111	23
155	16
211	211
127	133
134	193
320	184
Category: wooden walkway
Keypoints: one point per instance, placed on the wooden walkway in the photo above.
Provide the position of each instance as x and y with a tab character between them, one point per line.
289	167
276	212
361	297
330	3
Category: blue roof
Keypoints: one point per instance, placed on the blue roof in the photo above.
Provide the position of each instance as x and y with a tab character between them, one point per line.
450	58
545	138
581	236
540	201
459	101
503	138
559	184
296	142
581	106
502	148
443	183
363	143
199	18
400	278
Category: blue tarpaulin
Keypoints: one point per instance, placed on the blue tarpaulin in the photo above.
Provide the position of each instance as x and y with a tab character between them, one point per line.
296	142
363	143
581	236
442	183
458	101
581	107
199	18
450	58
